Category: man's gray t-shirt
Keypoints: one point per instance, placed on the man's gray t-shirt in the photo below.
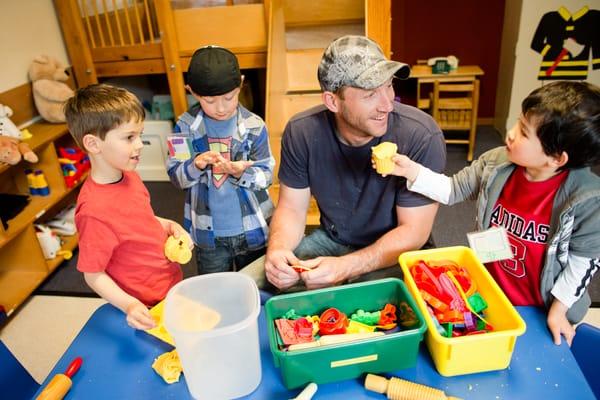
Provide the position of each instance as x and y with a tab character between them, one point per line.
357	205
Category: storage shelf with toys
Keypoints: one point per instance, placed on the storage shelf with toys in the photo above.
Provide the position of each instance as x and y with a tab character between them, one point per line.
23	265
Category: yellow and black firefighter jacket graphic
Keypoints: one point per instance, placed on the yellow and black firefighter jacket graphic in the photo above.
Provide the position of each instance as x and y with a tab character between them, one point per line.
565	41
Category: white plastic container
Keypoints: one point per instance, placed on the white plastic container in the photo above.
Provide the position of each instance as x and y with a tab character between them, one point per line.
213	320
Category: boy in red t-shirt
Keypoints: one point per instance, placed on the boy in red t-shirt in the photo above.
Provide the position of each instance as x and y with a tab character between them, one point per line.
539	187
121	241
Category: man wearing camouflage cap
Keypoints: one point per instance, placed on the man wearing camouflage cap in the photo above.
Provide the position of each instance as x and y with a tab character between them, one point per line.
367	220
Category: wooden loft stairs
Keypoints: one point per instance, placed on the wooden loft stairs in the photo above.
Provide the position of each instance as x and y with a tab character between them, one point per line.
142	37
297	37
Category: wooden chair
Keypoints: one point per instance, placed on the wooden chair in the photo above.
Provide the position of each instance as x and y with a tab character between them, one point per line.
454	107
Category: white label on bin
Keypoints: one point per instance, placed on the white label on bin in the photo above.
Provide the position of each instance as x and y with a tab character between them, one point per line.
352	361
490	245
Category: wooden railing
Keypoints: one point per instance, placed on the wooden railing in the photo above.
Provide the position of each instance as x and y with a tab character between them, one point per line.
110	23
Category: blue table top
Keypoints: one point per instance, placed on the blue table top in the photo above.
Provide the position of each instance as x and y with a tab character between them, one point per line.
117	364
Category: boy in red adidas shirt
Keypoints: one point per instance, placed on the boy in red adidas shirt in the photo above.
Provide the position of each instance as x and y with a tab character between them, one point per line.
539	187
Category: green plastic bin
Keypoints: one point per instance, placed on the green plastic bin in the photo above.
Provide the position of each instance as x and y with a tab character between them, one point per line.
346	360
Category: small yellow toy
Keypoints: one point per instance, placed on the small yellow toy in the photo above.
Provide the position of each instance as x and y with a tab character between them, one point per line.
178	249
382	155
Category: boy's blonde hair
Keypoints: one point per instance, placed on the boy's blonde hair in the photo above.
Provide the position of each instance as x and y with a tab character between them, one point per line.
99	108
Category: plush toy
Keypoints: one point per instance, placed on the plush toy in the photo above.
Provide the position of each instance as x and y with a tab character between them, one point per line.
11	150
7	128
49	92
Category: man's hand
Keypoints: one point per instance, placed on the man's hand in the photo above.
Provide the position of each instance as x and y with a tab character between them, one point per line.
234	168
559	324
324	272
138	316
278	268
204	159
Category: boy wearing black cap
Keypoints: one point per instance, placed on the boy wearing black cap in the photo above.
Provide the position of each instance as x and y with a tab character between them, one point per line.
227	205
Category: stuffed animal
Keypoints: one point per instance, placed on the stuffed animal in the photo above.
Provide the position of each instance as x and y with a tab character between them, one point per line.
11	148
11	151
49	92
7	128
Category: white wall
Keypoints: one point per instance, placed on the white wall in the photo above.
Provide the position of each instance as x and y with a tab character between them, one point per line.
528	61
29	28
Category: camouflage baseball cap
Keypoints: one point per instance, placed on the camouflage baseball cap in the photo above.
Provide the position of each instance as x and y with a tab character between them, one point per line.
359	62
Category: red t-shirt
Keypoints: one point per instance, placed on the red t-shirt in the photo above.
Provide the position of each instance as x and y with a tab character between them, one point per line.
524	210
119	234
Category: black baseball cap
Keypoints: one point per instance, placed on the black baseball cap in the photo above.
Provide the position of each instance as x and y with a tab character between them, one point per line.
213	71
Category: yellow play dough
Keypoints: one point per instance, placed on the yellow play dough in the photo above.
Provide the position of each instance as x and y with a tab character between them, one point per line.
178	249
382	154
159	330
168	366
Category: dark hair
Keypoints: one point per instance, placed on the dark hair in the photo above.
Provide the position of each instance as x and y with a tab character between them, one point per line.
99	108
567	116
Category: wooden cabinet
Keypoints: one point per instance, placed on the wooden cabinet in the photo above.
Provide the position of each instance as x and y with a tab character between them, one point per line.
22	263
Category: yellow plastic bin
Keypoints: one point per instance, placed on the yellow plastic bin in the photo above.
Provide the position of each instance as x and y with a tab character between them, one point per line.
468	354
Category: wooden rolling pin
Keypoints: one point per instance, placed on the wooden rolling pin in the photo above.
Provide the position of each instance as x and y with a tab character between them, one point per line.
399	389
60	383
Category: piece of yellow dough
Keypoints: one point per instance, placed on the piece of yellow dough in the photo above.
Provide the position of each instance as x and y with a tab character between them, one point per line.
159	330
382	154
168	366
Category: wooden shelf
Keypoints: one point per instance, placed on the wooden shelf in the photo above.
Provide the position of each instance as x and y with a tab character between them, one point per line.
69	243
17	285
22	263
34	210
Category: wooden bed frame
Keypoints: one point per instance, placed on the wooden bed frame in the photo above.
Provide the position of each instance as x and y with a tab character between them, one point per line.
107	38
152	37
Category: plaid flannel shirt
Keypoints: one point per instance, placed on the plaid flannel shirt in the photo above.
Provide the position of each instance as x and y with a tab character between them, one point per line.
250	142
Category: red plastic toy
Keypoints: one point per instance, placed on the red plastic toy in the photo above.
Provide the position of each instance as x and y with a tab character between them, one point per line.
332	322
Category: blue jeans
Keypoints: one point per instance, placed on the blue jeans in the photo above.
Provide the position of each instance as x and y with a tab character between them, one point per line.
316	244
229	254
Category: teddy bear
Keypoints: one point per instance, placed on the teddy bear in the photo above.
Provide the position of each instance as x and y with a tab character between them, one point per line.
11	148
11	151
7	128
47	75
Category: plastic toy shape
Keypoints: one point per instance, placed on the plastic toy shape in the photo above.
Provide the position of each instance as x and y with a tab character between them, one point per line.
332	322
60	383
38	186
399	389
366	317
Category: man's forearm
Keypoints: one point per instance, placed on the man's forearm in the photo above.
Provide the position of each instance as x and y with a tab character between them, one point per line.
413	230
286	229
385	251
